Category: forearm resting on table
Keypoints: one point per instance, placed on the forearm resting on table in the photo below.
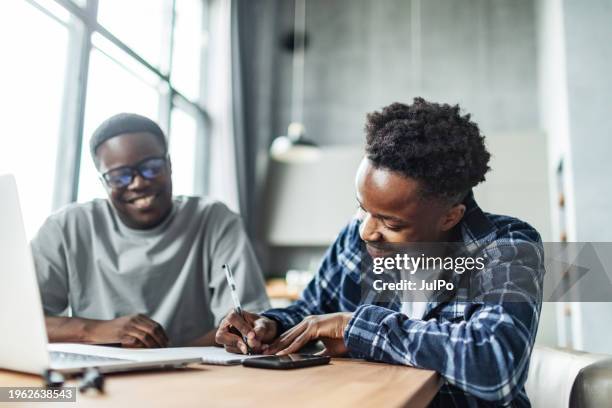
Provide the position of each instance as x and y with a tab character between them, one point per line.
71	329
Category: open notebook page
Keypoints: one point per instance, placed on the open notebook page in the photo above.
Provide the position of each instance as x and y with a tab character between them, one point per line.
209	355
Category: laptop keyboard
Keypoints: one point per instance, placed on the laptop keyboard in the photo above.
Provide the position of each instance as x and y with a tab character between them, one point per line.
64	357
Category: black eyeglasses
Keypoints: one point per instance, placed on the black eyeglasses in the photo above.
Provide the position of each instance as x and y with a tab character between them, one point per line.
149	169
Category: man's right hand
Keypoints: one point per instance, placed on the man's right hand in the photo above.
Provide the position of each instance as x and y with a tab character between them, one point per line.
260	331
135	330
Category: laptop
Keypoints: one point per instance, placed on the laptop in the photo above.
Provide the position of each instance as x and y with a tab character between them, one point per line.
23	343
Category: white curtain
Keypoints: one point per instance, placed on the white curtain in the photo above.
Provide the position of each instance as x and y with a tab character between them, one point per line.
220	93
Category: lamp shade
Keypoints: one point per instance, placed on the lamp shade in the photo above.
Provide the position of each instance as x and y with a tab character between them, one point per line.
294	147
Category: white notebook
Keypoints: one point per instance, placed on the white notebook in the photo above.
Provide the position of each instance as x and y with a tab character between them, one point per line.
209	355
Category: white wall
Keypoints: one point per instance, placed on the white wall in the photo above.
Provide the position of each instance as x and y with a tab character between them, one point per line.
588	27
575	100
518	186
312	201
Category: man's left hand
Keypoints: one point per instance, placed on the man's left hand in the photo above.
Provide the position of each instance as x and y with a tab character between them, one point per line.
329	328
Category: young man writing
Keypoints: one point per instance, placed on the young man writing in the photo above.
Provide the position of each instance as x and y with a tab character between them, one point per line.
414	186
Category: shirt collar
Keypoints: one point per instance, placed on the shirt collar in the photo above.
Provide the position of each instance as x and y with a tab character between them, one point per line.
475	226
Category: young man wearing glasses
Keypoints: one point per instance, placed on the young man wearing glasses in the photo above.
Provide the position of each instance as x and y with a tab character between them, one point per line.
141	268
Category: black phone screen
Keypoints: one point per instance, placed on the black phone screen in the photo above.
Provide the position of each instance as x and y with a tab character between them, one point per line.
286	362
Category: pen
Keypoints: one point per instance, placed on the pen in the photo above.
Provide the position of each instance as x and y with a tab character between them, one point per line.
237	308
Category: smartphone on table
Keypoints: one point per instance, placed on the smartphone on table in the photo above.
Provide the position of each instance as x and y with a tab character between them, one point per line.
286	362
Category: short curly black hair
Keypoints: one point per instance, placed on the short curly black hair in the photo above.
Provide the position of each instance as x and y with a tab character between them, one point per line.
122	123
431	143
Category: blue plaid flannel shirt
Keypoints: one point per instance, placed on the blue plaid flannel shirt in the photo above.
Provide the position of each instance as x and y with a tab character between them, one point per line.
481	346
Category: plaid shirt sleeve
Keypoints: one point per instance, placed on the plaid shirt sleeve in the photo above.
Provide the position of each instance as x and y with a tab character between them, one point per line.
324	293
485	354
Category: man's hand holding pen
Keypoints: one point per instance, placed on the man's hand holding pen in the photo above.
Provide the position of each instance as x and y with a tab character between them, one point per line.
249	333
258	330
263	337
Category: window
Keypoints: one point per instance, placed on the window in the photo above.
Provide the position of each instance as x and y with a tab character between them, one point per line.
189	40
34	54
143	25
111	89
70	64
183	132
142	71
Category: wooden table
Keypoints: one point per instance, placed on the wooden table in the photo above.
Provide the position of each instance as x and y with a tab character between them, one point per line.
342	383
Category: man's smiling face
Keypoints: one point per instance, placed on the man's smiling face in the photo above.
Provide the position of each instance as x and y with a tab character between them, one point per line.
144	203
